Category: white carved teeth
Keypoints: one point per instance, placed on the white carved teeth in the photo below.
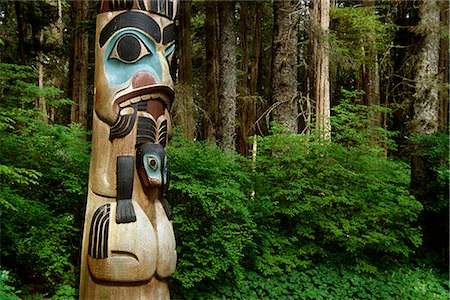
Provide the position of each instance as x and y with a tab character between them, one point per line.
126	111
125	103
137	99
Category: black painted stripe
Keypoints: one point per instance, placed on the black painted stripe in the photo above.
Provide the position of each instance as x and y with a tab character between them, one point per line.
170	9
169	34
130	19
125	174
154	7
123	126
101	235
162	7
106	235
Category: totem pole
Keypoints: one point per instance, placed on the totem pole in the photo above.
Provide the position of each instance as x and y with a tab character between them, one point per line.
128	241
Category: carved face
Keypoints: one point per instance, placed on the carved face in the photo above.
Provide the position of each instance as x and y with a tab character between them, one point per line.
152	165
133	53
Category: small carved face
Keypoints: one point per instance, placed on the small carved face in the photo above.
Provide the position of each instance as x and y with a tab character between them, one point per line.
133	53
156	169
152	165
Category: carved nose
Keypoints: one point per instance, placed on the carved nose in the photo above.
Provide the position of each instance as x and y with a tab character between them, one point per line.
141	79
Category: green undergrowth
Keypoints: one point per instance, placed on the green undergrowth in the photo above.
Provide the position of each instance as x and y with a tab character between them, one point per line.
328	282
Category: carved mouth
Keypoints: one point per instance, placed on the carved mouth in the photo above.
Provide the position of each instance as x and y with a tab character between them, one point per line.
124	253
163	94
150	101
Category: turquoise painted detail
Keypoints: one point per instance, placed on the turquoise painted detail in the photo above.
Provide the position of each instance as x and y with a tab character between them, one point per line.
119	72
169	50
156	173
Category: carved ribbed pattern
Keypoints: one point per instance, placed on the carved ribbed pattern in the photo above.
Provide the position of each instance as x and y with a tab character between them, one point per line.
146	130
166	8
123	125
98	234
162	133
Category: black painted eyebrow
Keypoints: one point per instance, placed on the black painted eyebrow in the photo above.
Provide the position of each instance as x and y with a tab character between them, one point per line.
169	34
131	19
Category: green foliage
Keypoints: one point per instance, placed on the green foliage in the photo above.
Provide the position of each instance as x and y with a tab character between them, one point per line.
357	33
338	200
329	282
7	291
342	200
434	151
44	172
352	125
209	191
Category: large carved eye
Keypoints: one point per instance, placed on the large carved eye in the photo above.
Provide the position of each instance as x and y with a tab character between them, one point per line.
129	49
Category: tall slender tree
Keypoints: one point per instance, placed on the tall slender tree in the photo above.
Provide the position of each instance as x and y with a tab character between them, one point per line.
210	127
228	80
426	110
79	107
184	104
371	74
284	64
320	23
426	97
444	91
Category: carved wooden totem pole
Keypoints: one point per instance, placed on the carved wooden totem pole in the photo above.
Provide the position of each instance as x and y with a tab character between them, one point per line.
128	241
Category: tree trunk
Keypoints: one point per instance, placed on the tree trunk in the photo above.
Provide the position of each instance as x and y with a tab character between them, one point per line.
320	23
21	37
426	100
243	38
227	89
443	68
257	45
245	104
212	71
372	78
80	65
42	103
426	108
284	64
184	105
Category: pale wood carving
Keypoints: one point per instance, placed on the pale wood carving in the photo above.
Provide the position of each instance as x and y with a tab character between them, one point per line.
128	247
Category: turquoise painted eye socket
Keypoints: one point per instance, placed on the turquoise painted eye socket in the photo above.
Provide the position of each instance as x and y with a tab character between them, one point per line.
129	49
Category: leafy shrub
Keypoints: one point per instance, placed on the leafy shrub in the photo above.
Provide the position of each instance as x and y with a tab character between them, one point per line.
433	150
43	186
330	282
7	291
341	199
209	190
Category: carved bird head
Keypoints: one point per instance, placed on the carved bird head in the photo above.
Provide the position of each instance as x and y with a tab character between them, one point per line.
152	165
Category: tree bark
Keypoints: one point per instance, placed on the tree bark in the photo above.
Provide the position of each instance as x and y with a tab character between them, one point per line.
320	23
42	103
212	71
372	78
284	64
227	90
444	91
184	105
426	97
426	108
257	45
78	112
245	104
243	38
19	15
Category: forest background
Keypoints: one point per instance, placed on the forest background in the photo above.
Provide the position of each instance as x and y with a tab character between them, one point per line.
310	158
